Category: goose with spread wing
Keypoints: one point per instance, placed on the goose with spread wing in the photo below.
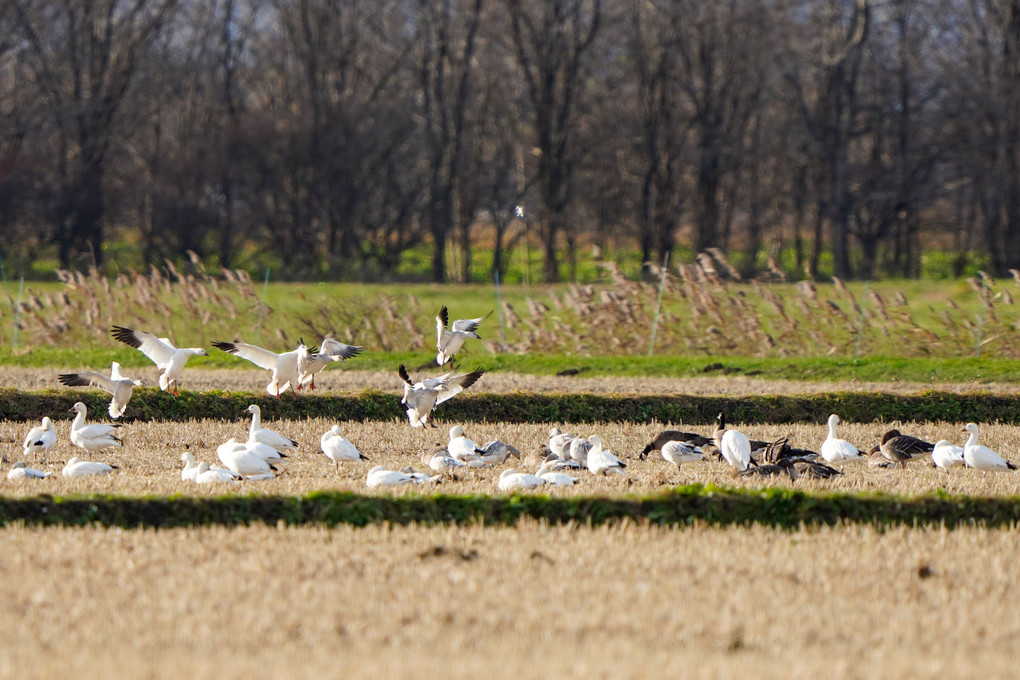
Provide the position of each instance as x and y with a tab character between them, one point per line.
449	342
284	366
117	385
422	397
312	360
169	359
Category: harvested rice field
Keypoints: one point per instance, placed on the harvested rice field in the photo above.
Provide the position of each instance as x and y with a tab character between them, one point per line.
149	461
626	601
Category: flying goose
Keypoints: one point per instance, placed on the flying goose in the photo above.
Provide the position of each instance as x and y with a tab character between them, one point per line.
117	385
423	396
169	359
313	360
449	342
981	457
91	438
338	448
284	366
40	438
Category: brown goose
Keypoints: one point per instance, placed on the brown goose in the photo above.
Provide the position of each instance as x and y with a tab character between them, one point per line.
876	459
899	448
781	449
783	467
814	469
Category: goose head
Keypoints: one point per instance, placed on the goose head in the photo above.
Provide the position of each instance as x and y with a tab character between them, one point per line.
456	431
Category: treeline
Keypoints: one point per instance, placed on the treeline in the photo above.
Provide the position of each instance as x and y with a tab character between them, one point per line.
334	135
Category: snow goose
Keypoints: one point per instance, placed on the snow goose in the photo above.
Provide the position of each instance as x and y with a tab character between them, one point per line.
257	433
510	480
92	438
264	451
981	457
168	359
117	385
380	476
40	438
207	475
461	448
449	342
20	471
899	448
496	452
720	429
946	455
602	461
237	458
76	467
190	470
284	366
423	396
559	442
836	450
666	436
735	449
338	448
578	451
313	360
441	461
678	452
550	474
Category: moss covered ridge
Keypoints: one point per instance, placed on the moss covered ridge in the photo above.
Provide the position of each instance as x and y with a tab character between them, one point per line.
678	507
151	404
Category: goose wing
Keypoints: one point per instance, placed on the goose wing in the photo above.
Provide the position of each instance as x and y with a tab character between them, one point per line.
262	358
88	379
457	384
338	350
469	325
159	350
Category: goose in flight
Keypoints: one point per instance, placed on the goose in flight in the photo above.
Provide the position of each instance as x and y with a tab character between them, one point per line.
117	385
40	438
169	359
312	360
449	342
284	366
423	396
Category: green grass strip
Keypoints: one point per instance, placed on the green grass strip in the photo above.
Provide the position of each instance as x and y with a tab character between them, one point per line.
151	404
682	506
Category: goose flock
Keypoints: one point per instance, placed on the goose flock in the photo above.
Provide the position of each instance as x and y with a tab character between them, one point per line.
558	461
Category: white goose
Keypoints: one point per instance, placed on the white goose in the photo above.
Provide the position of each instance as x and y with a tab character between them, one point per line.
92	438
736	449
578	451
442	461
237	458
602	461
117	385
20	471
168	359
449	342
461	448
836	450
550	473
257	433
314	360
76	467
946	455
338	448
421	397
40	438
559	442
511	479
190	470
284	366
380	476
208	475
981	457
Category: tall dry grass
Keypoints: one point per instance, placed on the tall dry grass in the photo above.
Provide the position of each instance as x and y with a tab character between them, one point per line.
149	460
617	602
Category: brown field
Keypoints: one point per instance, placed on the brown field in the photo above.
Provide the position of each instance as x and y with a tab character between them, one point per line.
344	380
149	460
616	602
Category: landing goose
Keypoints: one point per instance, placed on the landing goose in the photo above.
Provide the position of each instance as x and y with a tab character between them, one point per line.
117	385
422	397
313	360
284	366
449	342
169	359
